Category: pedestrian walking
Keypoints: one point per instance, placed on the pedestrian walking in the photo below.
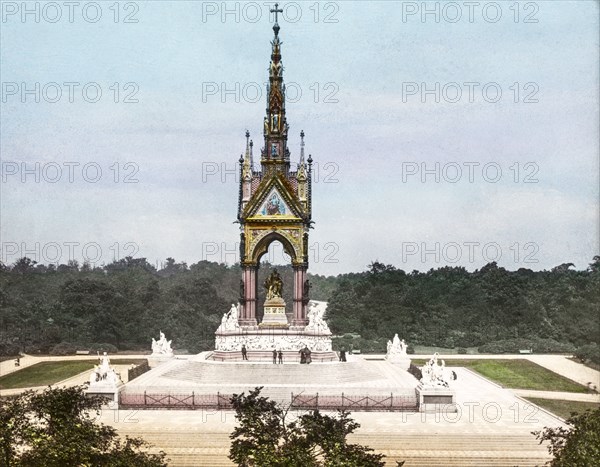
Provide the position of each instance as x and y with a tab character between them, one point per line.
275	356
280	355
244	353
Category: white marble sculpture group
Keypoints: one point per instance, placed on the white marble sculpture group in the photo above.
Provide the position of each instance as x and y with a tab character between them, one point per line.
316	323
161	347
229	322
436	374
317	336
396	352
396	347
103	375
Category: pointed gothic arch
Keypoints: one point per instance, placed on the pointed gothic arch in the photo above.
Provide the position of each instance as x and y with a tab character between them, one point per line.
262	247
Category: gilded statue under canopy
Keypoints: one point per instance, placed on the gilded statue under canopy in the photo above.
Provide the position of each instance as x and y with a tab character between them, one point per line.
274	285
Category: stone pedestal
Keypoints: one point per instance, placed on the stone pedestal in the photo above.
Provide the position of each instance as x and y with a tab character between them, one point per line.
274	313
107	391
105	381
436	399
108	388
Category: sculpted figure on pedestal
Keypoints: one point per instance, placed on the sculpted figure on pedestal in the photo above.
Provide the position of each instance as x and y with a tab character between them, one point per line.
274	285
396	347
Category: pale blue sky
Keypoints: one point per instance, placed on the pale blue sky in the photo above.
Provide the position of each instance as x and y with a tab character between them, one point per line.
174	134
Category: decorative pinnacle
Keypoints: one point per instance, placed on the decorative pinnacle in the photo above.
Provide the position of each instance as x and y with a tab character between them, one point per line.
241	161
276	25
310	159
302	147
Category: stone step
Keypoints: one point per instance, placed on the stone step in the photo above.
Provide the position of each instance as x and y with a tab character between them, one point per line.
383	441
200	459
197	448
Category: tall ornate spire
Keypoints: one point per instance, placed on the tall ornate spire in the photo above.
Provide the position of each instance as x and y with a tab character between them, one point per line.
275	155
274	203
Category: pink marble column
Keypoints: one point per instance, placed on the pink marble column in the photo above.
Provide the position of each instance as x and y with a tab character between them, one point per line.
249	310
299	317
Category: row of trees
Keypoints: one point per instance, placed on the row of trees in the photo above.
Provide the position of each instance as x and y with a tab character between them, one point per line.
451	307
126	302
58	427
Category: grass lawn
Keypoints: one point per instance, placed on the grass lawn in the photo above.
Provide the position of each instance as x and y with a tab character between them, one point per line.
563	408
45	373
517	374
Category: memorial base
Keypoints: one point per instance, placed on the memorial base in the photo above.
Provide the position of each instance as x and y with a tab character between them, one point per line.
260	343
436	399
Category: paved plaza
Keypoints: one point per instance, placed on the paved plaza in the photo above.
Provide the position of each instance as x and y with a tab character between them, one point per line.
491	428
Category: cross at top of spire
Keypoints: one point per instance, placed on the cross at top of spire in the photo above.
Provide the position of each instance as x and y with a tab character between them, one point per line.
276	25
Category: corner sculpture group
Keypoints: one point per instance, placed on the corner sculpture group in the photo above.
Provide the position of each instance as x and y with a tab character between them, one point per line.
435	374
104	374
162	346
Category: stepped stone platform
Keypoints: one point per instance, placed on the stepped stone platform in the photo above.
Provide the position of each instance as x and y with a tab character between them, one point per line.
200	375
492	427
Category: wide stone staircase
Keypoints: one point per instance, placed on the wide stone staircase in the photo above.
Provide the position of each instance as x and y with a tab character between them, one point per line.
195	449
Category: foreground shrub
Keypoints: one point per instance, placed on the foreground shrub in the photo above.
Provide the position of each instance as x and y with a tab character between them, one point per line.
265	438
577	445
57	428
